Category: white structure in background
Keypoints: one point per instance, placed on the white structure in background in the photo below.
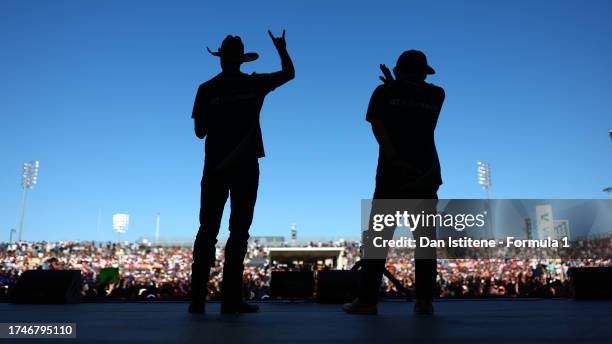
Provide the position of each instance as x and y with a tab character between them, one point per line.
293	233
545	222
562	229
157	229
267	241
120	224
484	176
29	178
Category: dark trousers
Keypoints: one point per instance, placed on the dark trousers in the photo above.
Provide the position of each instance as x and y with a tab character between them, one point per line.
425	262
241	182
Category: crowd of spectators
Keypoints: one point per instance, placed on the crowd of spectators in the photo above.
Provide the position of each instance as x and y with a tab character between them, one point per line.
156	272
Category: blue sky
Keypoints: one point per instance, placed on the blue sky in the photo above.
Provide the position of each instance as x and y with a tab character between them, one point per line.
101	94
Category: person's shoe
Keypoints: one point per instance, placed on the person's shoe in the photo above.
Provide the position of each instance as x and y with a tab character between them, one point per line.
196	307
423	307
237	308
360	307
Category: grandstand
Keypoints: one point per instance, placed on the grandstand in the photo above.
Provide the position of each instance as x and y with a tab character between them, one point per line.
518	292
162	271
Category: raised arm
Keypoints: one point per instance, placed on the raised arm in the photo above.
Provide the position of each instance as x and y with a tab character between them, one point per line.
288	71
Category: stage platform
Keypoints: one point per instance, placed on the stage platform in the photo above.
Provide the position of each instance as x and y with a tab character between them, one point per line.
455	321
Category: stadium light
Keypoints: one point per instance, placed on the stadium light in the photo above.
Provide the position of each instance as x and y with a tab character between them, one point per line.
484	179
484	176
157	229
13	231
29	178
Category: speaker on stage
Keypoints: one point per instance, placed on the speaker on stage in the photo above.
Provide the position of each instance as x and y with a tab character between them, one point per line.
292	284
591	282
337	286
47	286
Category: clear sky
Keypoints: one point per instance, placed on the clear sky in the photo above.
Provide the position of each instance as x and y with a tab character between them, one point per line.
101	93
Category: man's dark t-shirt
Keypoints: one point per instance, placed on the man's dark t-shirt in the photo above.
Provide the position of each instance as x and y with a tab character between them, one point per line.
409	112
228	106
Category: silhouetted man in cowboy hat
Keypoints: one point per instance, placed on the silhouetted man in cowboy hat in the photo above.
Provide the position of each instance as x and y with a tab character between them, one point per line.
226	112
403	114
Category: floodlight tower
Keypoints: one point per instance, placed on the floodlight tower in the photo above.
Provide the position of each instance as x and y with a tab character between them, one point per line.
484	176
29	178
484	179
608	190
157	229
13	230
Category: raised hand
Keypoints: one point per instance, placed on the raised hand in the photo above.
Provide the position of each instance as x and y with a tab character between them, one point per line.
387	76
279	42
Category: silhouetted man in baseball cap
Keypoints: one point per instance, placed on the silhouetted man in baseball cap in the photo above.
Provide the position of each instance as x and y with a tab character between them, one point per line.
403	113
226	112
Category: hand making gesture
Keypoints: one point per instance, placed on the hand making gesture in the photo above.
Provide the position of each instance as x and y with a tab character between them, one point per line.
387	76
279	42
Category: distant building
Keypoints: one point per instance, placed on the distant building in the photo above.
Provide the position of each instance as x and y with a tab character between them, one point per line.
545	221
562	229
268	241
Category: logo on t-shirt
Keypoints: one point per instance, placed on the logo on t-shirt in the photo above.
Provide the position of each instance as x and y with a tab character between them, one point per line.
410	103
235	98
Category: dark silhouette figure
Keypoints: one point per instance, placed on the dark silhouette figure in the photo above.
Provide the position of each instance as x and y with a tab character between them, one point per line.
403	114
226	112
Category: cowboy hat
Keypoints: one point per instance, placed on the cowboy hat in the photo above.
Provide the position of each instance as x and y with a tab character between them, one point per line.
232	49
